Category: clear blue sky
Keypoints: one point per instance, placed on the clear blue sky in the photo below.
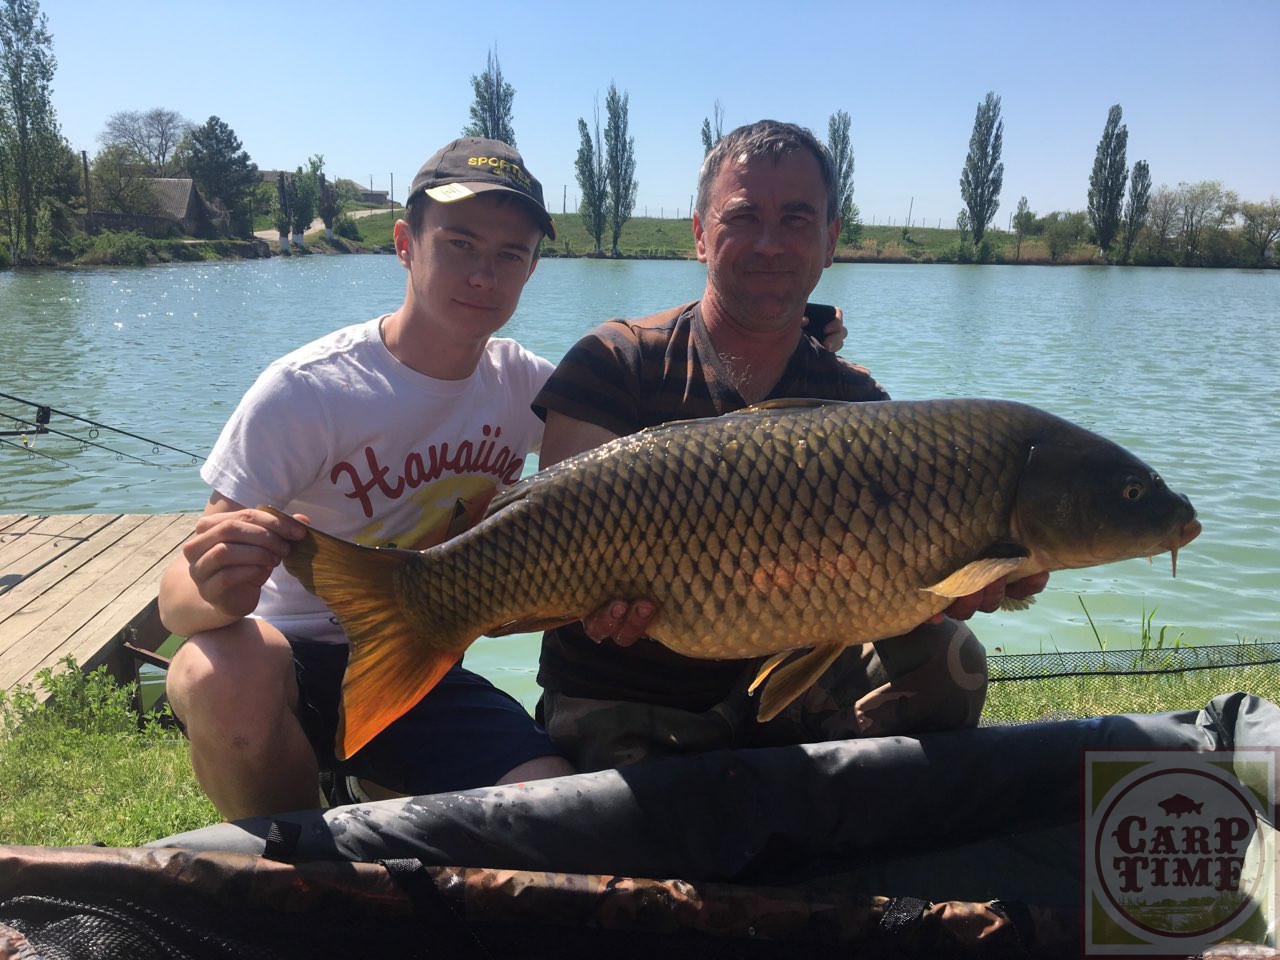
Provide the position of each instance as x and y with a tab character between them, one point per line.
376	87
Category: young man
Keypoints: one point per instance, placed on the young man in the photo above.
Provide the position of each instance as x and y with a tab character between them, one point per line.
398	430
766	227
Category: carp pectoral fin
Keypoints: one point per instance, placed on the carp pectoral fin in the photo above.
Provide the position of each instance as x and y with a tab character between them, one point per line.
531	625
794	679
767	668
1017	603
972	577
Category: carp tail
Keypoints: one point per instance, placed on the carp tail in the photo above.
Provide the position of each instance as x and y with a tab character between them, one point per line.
389	668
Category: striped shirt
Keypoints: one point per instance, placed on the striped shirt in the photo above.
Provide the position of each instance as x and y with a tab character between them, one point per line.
630	374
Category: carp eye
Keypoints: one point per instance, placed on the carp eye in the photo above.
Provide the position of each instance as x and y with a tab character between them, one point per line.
1133	490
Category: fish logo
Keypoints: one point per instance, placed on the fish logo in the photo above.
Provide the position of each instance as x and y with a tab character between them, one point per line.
1177	805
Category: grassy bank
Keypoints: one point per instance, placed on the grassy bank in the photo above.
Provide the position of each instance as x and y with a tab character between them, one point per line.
81	769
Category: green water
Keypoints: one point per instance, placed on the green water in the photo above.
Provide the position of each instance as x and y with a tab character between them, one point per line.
1181	366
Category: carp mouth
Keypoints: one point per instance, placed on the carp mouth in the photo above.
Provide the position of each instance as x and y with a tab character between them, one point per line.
1179	539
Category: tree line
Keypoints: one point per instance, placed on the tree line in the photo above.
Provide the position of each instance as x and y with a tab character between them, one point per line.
45	184
1192	224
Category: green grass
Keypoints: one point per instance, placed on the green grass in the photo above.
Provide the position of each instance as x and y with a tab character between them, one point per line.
1061	698
81	769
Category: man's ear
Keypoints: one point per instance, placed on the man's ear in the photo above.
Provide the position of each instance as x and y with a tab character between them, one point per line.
402	237
699	235
833	235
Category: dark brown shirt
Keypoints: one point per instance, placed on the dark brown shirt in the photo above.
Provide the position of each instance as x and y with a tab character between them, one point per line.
630	374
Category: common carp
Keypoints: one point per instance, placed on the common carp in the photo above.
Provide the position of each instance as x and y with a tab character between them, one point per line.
794	524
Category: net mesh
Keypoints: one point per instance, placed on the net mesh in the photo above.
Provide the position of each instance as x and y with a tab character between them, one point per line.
1130	662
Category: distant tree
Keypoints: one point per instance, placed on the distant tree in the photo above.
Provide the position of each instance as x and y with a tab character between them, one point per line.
620	162
120	185
711	134
1205	206
152	137
282	209
593	181
1261	225
964	225
1106	182
327	205
983	173
1135	207
851	226
841	147
1063	231
66	184
223	171
491	108
304	196
1163	217
29	135
1023	223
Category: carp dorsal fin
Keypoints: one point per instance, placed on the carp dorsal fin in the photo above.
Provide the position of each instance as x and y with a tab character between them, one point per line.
790	681
972	577
788	403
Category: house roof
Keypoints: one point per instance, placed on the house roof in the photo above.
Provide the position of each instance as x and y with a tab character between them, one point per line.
173	195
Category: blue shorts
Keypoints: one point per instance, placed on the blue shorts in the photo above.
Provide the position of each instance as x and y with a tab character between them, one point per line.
465	733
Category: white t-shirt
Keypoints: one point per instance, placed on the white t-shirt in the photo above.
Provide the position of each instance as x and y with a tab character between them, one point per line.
373	451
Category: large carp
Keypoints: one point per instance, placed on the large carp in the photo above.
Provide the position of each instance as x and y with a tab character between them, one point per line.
792	524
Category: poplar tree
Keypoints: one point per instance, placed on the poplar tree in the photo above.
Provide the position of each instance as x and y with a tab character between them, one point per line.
711	134
983	173
841	147
29	134
620	162
1106	182
1136	206
592	180
491	108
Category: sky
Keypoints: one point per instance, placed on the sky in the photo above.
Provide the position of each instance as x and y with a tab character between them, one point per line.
376	87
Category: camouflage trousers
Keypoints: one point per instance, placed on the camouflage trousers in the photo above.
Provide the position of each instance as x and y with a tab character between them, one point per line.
933	678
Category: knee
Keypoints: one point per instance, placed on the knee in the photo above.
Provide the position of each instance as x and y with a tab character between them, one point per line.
236	670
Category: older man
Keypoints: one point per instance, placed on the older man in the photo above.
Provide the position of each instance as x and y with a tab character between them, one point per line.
766	226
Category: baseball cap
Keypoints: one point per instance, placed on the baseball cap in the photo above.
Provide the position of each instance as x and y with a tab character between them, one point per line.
471	165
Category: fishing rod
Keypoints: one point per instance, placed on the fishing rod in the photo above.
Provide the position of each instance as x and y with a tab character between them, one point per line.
30	450
40	425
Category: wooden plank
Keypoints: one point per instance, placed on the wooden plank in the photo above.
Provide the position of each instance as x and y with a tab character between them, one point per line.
18	521
134	588
25	553
58	582
84	613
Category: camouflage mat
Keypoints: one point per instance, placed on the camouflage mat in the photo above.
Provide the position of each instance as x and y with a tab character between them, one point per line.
140	903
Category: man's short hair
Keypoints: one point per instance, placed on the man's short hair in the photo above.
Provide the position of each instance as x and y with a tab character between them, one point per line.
767	138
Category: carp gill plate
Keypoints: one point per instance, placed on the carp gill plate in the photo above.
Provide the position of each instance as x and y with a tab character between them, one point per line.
794	524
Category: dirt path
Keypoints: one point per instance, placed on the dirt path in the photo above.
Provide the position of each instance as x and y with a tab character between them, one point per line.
316	225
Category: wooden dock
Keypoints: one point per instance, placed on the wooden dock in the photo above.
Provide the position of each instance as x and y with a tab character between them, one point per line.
82	586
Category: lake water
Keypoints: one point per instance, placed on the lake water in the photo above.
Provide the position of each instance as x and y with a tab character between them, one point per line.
1181	366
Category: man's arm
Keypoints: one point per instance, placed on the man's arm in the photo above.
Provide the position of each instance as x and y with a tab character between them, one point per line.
218	577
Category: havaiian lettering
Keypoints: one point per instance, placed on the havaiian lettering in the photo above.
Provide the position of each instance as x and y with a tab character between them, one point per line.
427	466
